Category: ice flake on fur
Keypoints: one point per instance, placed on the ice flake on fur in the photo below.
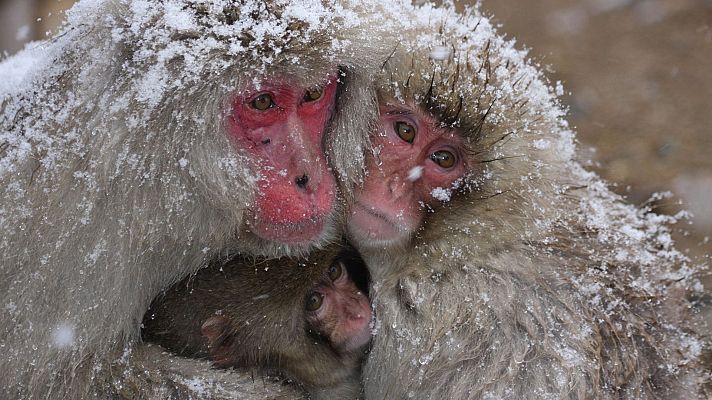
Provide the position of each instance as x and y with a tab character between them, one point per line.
415	173
440	53
63	335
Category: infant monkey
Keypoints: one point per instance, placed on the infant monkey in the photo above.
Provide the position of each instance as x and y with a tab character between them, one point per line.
307	319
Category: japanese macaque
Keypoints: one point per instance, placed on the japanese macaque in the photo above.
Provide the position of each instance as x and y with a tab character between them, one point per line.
147	138
500	268
307	319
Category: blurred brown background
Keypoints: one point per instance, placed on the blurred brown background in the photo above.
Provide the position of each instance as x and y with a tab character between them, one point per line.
639	74
639	78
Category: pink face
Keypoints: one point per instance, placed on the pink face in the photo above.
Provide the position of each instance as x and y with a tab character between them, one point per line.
416	159
282	127
338	310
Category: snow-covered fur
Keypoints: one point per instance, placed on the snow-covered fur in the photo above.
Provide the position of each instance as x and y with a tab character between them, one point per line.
534	281
117	178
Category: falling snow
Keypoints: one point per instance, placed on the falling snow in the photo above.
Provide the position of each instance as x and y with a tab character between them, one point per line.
415	173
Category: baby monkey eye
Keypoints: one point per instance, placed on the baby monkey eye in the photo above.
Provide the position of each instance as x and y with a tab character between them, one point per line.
314	301
443	158
405	131
262	102
335	271
313	94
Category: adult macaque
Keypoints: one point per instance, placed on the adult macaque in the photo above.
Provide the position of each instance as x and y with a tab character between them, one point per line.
500	268
150	136
306	319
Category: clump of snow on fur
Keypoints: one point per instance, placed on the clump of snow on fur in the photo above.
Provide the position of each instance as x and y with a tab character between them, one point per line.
415	173
441	194
63	335
440	53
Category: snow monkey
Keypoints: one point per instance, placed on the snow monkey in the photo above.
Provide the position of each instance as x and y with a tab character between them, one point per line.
150	136
308	318
500	267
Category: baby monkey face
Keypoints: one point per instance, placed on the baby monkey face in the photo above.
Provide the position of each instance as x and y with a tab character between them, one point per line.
338	310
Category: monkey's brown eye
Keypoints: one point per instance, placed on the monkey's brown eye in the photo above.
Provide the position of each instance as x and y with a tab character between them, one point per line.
262	102
443	158
314	301
335	271
405	131
313	94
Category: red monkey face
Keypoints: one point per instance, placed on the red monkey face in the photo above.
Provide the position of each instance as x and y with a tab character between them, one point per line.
338	310
416	162
282	126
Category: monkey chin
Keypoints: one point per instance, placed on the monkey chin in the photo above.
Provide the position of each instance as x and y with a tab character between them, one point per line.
354	334
291	239
371	229
357	342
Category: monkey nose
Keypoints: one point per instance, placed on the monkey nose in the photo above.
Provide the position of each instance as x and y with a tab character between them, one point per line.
302	181
397	186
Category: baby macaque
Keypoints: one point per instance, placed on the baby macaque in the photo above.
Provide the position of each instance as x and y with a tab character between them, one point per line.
306	319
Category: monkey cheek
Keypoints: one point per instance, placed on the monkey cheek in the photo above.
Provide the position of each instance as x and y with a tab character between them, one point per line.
354	333
371	227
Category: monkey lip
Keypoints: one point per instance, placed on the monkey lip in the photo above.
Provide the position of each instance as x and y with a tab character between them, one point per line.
360	339
372	225
288	216
357	323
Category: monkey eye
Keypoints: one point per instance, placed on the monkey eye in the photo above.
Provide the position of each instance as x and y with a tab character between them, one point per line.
444	158
405	131
335	271
262	102
313	94
314	301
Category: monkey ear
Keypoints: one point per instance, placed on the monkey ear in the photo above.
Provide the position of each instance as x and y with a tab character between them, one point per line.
214	328
220	340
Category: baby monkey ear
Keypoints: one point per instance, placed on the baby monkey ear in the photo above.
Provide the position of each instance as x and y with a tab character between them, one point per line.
217	331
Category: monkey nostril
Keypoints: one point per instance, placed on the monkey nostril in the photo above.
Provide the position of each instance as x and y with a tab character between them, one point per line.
302	181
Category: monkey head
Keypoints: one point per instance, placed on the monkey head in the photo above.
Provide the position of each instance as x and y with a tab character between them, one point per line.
281	125
315	315
416	163
338	310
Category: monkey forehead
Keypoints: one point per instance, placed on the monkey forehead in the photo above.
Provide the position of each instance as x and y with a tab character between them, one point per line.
289	78
285	85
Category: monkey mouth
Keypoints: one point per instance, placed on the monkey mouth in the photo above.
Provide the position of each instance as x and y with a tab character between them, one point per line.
359	340
371	226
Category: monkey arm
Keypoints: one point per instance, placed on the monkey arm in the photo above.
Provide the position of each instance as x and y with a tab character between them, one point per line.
150	372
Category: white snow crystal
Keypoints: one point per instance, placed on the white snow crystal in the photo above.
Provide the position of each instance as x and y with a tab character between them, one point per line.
440	53
415	173
541	144
63	335
441	194
22	33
